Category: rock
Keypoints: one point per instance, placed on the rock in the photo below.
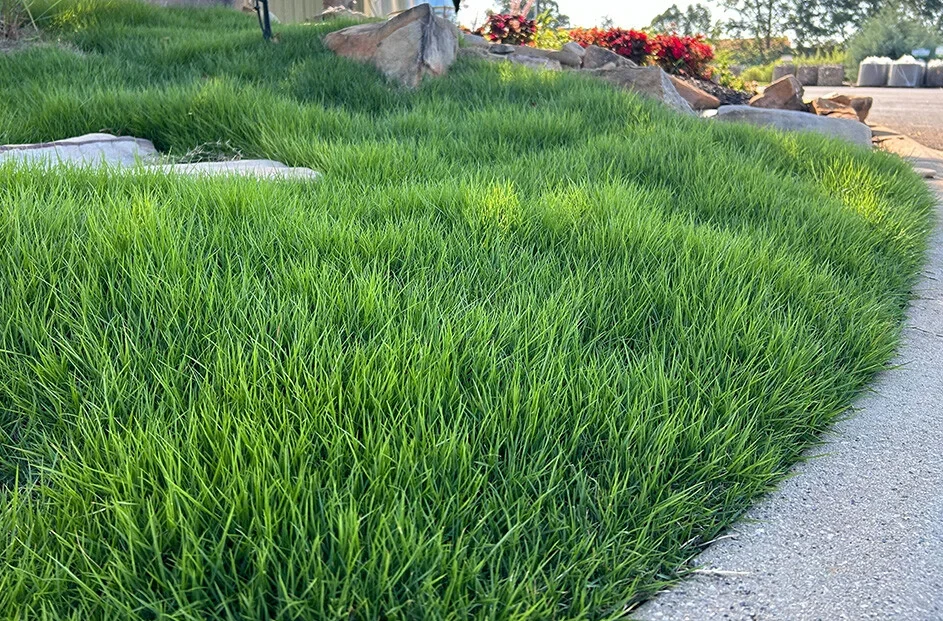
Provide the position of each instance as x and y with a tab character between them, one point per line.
339	12
87	150
534	62
648	81
575	48
128	154
697	98
782	70
260	169
851	131
596	57
831	75
405	48
834	109
861	105
808	75
565	58
501	48
783	94
474	40
926	173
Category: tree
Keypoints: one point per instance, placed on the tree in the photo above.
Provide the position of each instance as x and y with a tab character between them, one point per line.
535	8
696	19
760	20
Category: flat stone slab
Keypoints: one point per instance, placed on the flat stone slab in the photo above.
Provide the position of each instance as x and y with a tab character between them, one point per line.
87	150
137	154
262	169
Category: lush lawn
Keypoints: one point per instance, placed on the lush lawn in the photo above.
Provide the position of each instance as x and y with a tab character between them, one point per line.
527	344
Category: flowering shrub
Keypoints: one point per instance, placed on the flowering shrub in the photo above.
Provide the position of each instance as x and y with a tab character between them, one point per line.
635	45
683	55
511	29
587	36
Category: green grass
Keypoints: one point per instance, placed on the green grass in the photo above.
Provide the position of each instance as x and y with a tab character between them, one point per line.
527	345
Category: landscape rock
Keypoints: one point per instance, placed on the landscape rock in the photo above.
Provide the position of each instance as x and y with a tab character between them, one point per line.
128	154
648	81
596	57
566	58
260	169
926	173
834	109
783	94
405	48
339	12
575	48
501	48
697	98
831	75
474	40
808	75
534	62
87	150
849	130
861	105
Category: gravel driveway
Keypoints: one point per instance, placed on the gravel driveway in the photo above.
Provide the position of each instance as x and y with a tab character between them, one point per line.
916	112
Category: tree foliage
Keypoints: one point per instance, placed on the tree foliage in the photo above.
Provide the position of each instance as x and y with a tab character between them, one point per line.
695	19
535	8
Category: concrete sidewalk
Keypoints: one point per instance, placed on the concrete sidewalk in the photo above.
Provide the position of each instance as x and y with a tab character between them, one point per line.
856	533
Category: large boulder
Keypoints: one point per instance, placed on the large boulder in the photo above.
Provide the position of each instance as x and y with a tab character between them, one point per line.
783	94
849	130
575	48
405	48
648	81
697	98
596	57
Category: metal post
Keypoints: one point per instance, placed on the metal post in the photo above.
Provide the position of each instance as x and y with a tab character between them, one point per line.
261	9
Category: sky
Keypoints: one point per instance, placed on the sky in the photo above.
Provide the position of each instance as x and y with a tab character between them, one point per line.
625	13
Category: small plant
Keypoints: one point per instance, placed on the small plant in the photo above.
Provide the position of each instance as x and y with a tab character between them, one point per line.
14	16
510	29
